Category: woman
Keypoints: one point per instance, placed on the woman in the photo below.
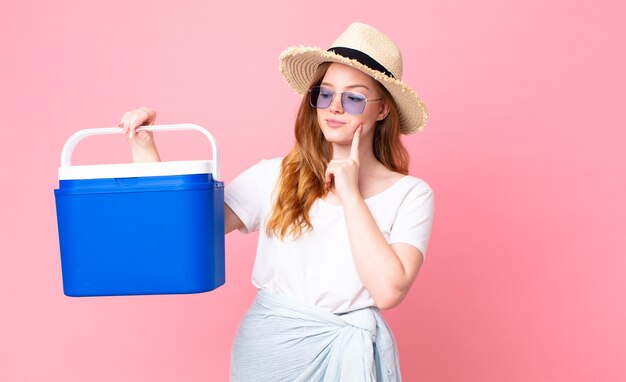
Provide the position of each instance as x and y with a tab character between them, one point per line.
343	228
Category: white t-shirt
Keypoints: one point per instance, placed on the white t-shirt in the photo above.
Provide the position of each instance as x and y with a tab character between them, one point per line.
318	267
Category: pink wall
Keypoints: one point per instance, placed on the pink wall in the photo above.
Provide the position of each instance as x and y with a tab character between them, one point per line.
524	280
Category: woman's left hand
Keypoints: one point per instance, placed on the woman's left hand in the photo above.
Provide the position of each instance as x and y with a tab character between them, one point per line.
342	175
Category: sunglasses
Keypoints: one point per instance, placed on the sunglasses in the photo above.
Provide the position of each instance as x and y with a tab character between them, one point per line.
354	103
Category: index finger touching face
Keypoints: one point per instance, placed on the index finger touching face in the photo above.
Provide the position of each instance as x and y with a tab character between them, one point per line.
354	150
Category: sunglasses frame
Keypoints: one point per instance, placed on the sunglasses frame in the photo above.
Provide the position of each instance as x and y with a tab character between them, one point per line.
334	93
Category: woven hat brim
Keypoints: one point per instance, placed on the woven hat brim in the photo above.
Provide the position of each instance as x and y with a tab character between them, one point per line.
298	66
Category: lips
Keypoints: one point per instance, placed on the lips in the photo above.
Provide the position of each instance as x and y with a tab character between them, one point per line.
334	123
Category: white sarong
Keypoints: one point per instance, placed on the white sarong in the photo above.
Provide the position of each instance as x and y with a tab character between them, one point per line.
281	339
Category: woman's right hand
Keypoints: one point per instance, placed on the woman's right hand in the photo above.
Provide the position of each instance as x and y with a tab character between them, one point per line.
142	142
132	119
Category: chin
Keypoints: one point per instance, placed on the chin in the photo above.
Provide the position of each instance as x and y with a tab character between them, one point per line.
338	137
341	135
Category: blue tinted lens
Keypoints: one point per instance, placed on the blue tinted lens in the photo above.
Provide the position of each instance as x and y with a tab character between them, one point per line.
325	97
353	103
321	97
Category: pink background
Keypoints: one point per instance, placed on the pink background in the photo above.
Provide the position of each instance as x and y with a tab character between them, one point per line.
524	278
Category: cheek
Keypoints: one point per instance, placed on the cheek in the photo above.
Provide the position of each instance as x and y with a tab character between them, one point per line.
369	118
319	118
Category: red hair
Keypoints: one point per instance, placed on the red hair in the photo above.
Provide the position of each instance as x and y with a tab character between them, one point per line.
302	173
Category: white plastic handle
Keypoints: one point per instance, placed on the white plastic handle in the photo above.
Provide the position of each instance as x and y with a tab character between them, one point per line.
70	144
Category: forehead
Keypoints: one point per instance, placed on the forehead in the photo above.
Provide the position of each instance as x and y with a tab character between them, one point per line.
341	75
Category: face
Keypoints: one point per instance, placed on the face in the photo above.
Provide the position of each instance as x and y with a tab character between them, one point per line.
337	124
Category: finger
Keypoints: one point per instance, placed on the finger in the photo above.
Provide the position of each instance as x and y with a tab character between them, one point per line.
143	117
133	125
122	123
329	177
354	150
126	126
143	136
329	181
148	117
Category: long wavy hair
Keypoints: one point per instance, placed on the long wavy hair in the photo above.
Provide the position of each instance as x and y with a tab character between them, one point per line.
302	174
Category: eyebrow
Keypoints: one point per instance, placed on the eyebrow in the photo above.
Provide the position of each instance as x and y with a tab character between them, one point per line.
347	87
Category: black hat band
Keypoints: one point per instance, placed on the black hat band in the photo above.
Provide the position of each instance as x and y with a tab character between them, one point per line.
361	57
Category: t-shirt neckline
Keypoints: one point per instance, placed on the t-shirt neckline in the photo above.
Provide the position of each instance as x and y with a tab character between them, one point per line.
373	197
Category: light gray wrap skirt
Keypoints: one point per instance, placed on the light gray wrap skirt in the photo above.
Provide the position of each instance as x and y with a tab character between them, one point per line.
281	339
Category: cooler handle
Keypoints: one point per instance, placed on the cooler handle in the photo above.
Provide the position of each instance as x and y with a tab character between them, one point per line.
70	144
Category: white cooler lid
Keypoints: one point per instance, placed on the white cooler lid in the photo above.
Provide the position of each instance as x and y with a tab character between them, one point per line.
130	170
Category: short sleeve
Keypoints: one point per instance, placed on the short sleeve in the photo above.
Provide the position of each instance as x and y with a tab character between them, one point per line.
414	220
243	196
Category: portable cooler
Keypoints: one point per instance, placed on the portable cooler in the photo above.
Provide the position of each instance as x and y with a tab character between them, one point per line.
140	228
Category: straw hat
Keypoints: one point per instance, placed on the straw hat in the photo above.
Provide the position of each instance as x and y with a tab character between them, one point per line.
367	49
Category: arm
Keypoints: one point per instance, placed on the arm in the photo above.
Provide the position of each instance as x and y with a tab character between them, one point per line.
144	149
142	144
231	220
387	271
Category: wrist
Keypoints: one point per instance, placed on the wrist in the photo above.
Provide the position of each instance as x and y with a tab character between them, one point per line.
145	154
352	200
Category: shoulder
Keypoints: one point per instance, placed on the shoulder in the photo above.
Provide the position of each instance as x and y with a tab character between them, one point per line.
270	169
412	190
403	184
417	184
270	164
259	176
264	167
254	185
273	164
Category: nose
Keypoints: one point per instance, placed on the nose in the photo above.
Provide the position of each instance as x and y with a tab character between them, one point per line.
335	105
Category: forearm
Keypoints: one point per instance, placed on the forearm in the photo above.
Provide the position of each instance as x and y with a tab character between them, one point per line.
378	265
145	154
231	220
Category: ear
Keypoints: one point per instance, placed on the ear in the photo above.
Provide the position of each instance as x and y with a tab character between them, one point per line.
384	111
